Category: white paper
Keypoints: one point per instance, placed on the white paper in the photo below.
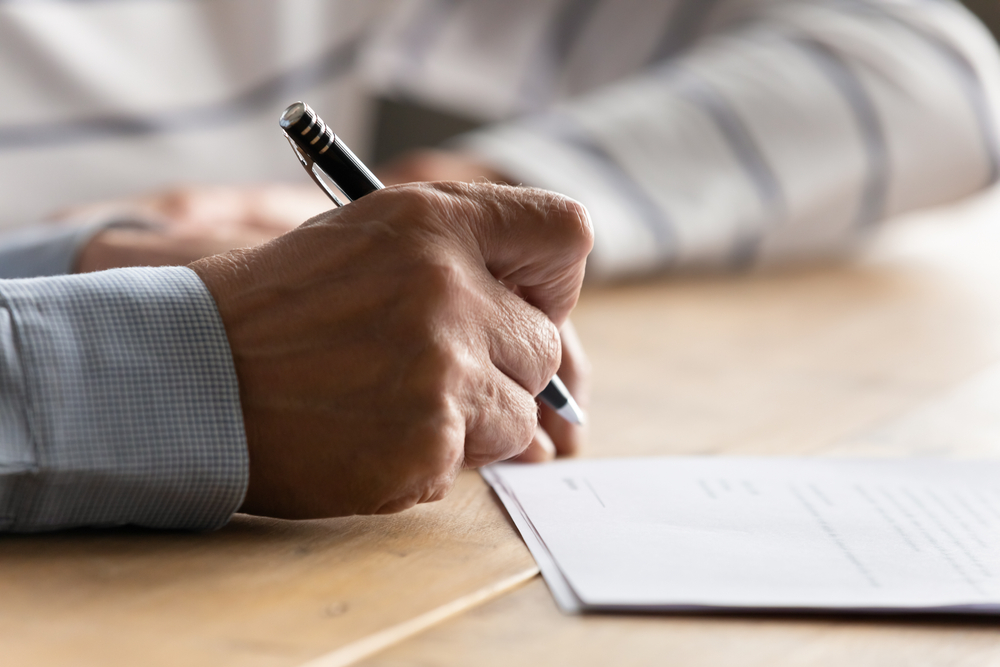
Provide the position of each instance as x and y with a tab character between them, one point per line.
761	533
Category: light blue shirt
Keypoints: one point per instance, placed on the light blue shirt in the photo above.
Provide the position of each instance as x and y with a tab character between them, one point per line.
42	250
119	403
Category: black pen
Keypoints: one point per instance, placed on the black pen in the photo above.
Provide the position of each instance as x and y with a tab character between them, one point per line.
324	155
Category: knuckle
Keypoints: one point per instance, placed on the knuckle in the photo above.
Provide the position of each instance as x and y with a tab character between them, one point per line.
423	468
439	490
552	344
524	422
439	277
503	425
394	505
423	204
433	294
574	222
433	386
437	446
413	198
548	352
433	382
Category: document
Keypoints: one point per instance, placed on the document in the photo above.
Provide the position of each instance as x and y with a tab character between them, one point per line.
761	534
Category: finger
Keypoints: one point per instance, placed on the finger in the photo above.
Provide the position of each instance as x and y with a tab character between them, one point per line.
540	450
501	419
567	439
534	239
524	343
574	371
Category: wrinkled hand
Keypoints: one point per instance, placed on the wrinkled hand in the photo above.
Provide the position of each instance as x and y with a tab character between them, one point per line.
555	436
193	222
383	346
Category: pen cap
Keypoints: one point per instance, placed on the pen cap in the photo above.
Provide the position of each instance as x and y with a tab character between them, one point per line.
315	139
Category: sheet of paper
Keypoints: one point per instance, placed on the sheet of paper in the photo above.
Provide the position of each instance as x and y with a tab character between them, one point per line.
919	535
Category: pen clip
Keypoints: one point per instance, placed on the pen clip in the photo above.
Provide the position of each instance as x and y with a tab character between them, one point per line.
314	171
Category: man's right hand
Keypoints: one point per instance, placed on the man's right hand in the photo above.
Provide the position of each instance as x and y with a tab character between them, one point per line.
383	346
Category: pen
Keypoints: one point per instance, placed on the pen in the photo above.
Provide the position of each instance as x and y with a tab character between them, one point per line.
325	156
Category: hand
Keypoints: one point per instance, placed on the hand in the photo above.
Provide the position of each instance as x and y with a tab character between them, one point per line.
191	223
438	165
554	435
379	349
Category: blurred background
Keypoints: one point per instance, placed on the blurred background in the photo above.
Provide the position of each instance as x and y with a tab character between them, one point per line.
402	126
701	135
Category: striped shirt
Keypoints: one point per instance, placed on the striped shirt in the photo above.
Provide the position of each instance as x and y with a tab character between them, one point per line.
717	133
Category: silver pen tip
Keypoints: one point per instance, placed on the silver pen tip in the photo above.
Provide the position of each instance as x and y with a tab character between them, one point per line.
293	114
572	412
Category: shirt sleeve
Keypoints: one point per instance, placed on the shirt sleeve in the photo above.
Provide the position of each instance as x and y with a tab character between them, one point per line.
43	250
785	133
52	249
119	403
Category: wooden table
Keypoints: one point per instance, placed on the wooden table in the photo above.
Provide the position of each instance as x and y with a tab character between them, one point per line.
803	361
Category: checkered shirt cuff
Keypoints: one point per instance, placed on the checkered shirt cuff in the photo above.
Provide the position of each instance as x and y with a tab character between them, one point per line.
119	403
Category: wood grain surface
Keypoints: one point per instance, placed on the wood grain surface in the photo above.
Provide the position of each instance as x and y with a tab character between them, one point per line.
256	593
526	628
870	358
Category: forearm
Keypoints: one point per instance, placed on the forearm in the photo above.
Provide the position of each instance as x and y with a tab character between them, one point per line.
787	136
119	403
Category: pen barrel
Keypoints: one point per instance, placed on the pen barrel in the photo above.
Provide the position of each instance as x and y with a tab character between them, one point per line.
315	139
555	394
